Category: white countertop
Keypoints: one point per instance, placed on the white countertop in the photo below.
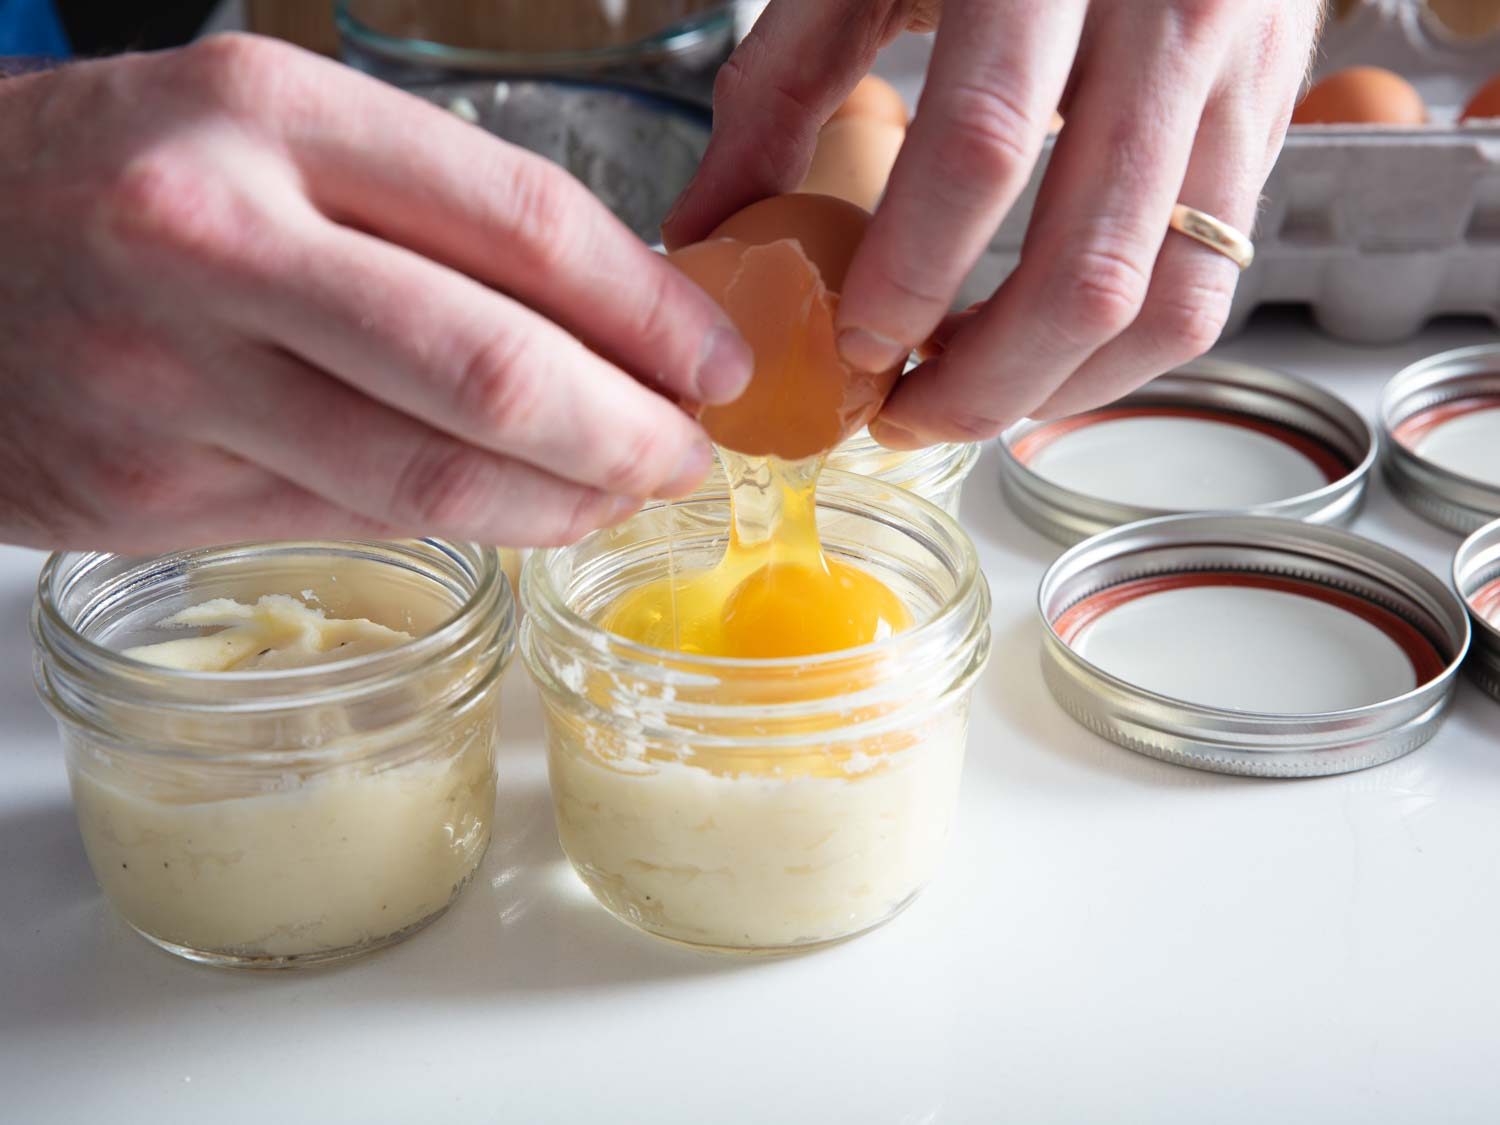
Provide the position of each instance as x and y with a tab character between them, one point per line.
1113	938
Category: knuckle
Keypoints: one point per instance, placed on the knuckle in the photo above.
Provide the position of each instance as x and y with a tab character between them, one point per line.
1189	323
730	79
987	138
970	427
546	209
1103	290
787	120
672	319
442	486
499	389
1199	22
631	469
1272	43
660	290
919	284
161	204
587	514
145	489
237	71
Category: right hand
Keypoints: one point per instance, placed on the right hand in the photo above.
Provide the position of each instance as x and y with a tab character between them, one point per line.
246	293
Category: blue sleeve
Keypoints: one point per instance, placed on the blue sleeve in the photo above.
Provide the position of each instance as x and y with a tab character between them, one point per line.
31	27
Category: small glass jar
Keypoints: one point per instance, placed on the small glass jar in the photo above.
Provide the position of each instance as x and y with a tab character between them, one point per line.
273	818
758	805
936	473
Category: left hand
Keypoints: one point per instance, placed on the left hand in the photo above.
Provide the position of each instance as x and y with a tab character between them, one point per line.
1165	101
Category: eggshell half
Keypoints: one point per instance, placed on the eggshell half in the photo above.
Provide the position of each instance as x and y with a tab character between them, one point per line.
775	268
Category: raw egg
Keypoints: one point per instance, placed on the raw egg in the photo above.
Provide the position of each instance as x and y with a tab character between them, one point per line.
776	268
854	159
1485	103
1361	95
873	98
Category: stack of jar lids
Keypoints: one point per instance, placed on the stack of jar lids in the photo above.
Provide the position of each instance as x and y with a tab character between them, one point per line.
1215	619
1440	418
1476	574
1441	423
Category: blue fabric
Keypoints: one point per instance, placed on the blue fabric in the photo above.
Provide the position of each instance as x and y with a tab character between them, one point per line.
31	27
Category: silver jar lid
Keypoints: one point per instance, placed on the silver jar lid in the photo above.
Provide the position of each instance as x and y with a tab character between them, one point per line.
1211	435
1476	574
1250	644
1440	418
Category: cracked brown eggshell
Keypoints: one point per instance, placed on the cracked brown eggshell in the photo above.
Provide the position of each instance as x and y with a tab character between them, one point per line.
776	268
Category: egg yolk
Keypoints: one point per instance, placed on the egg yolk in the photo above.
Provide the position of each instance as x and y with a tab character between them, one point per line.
774	593
775	268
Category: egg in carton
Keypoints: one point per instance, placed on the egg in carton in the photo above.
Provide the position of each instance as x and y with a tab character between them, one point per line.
1377	228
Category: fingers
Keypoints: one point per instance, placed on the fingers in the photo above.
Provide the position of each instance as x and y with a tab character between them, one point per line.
781	84
148	491
473	364
997	71
372	462
1102	216
268	508
419	177
1192	286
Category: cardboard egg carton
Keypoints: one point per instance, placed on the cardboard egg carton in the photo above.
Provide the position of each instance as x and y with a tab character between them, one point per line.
1377	229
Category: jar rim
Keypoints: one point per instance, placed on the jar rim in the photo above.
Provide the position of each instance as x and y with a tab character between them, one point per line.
944	461
49	624
543	599
667	42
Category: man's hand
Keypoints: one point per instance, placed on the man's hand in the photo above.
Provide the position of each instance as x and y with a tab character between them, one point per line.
1165	101
247	293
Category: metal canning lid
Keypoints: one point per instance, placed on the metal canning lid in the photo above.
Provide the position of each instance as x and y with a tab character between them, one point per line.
1210	436
1251	644
1441	421
1476	575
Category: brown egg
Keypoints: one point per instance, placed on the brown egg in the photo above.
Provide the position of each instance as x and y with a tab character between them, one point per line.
776	268
827	229
1485	103
1361	95
875	98
854	159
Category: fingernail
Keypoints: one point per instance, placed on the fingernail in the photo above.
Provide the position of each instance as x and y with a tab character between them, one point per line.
690	471
893	436
870	351
725	367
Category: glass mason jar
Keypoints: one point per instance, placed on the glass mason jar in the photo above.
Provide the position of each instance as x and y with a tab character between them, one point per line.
280	817
936	473
758	805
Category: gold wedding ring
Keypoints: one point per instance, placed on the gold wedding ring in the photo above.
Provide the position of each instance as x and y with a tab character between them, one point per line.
1213	233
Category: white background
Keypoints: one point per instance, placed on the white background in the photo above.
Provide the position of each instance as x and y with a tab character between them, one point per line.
1113	939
